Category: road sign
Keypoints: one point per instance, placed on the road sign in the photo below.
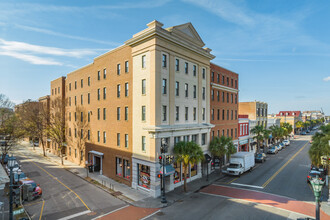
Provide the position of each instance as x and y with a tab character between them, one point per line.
18	211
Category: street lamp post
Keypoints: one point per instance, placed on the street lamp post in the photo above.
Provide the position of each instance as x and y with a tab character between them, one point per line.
11	165
163	150
317	185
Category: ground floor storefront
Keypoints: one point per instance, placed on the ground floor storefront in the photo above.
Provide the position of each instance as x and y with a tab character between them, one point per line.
109	162
145	176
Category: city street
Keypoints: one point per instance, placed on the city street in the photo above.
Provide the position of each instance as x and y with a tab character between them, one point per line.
64	194
283	174
275	189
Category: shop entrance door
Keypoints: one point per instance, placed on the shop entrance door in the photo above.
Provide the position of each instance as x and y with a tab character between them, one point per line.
97	164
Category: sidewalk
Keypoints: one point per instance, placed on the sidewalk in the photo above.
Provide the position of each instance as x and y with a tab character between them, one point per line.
124	192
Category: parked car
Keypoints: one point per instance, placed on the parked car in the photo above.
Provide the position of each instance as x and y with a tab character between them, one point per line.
303	133
279	147
286	142
35	188
313	174
282	145
307	131
272	150
320	169
261	157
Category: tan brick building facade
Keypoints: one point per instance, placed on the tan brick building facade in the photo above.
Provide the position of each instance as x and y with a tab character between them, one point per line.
115	120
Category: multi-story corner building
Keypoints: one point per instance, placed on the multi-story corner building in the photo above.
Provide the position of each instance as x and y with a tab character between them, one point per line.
291	117
224	103
120	107
244	133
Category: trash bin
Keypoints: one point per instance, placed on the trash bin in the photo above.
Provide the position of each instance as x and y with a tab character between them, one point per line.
90	168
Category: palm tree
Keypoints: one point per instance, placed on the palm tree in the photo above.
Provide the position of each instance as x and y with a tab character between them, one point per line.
222	146
187	153
231	149
258	131
266	134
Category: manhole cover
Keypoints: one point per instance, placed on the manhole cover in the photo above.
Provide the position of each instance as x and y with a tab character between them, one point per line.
160	213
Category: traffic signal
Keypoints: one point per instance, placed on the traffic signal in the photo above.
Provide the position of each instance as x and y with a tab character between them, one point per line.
159	175
160	158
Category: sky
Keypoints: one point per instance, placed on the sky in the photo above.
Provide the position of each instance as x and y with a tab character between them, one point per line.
280	49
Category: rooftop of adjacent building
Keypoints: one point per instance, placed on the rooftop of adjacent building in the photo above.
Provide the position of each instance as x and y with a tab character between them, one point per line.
289	113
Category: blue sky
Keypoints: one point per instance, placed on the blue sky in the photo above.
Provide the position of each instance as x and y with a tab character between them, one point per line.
280	49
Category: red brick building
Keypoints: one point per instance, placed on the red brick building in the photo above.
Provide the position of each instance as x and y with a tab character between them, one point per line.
224	102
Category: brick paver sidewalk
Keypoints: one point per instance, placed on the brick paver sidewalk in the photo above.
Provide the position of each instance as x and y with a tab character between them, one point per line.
265	199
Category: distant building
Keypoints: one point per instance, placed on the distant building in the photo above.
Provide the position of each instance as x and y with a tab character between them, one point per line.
256	111
244	133
311	115
291	117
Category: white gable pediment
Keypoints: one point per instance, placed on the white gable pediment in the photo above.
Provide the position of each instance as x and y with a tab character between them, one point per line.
188	32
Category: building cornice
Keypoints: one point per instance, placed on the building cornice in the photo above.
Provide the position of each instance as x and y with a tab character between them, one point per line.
159	32
228	89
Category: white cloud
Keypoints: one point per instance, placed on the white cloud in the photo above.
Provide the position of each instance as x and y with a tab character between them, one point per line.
226	10
30	58
326	79
50	32
35	54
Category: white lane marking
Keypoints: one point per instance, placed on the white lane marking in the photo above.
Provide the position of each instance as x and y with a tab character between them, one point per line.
100	216
232	198
239	184
75	215
150	215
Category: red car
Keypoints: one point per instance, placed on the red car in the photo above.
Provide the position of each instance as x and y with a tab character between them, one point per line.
35	188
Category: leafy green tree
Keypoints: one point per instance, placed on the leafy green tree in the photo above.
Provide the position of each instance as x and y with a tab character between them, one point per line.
258	135
299	125
187	153
320	146
57	127
288	127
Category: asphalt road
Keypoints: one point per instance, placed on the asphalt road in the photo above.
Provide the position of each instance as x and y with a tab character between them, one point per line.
282	174
64	194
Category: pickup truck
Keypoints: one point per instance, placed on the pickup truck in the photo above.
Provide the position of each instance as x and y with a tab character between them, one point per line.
240	162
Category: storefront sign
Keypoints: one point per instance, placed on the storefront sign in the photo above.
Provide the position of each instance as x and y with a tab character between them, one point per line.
243	142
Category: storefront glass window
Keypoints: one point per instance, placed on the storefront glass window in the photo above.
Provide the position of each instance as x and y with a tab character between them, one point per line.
119	166
177	173
193	170
144	176
127	169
